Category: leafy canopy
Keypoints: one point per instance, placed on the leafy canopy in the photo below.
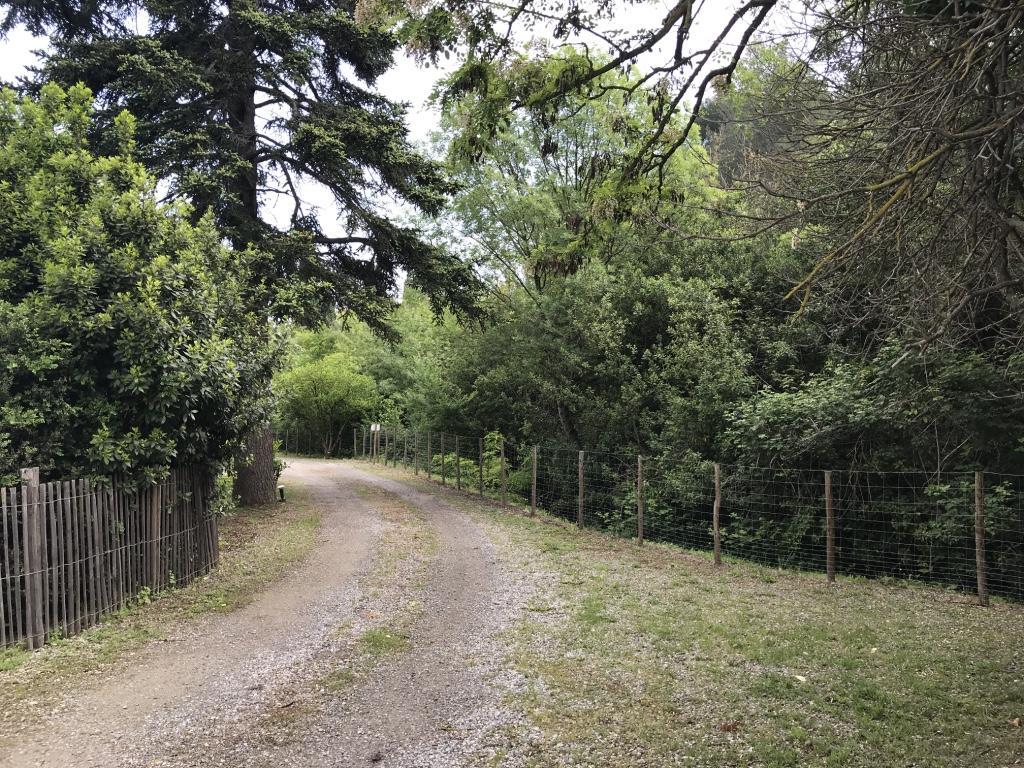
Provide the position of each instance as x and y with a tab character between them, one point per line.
244	106
325	397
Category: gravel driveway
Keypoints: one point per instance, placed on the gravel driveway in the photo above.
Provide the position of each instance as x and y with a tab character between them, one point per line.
247	688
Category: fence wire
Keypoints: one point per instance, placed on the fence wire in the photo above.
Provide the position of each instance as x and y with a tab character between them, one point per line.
902	525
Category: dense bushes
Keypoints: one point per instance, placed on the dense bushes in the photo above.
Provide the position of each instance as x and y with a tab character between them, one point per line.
125	331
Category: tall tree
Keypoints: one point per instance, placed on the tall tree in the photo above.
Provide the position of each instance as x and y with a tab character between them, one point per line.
248	101
903	175
902	163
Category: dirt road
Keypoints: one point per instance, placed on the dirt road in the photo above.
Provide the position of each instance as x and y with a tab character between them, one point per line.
381	648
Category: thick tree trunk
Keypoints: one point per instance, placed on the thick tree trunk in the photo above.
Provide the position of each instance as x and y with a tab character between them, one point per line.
255	481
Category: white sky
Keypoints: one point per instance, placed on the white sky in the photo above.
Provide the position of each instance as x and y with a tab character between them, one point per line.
406	82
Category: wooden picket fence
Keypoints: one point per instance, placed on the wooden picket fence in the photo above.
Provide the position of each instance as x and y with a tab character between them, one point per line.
74	550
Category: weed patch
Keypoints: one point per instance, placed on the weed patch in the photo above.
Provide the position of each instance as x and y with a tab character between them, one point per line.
380	641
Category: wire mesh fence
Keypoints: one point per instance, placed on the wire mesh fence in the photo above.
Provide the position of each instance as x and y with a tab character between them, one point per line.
964	530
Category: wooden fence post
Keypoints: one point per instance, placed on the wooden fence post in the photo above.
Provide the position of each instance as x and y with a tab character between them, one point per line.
979	537
640	499
405	449
830	530
481	466
32	541
716	514
504	475
443	481
579	495
416	452
533	483
155	522
458	465
355	449
430	456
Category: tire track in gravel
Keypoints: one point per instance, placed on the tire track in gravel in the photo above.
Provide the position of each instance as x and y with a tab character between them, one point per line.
439	703
221	665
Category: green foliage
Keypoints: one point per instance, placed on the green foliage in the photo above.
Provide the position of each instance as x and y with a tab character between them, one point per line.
949	410
325	398
125	335
243	103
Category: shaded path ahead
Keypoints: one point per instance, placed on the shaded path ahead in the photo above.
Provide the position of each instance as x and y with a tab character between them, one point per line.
205	697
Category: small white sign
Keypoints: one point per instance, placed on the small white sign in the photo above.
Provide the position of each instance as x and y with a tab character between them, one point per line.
375	427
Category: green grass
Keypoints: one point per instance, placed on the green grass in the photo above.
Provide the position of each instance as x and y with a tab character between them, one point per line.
381	640
238	579
12	658
338	679
654	657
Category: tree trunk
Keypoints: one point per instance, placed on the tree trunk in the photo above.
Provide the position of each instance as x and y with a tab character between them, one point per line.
255	481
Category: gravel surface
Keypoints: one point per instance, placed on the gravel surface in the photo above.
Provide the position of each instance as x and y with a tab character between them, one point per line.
254	687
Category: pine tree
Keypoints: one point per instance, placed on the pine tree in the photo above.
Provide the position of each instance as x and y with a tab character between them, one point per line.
245	101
